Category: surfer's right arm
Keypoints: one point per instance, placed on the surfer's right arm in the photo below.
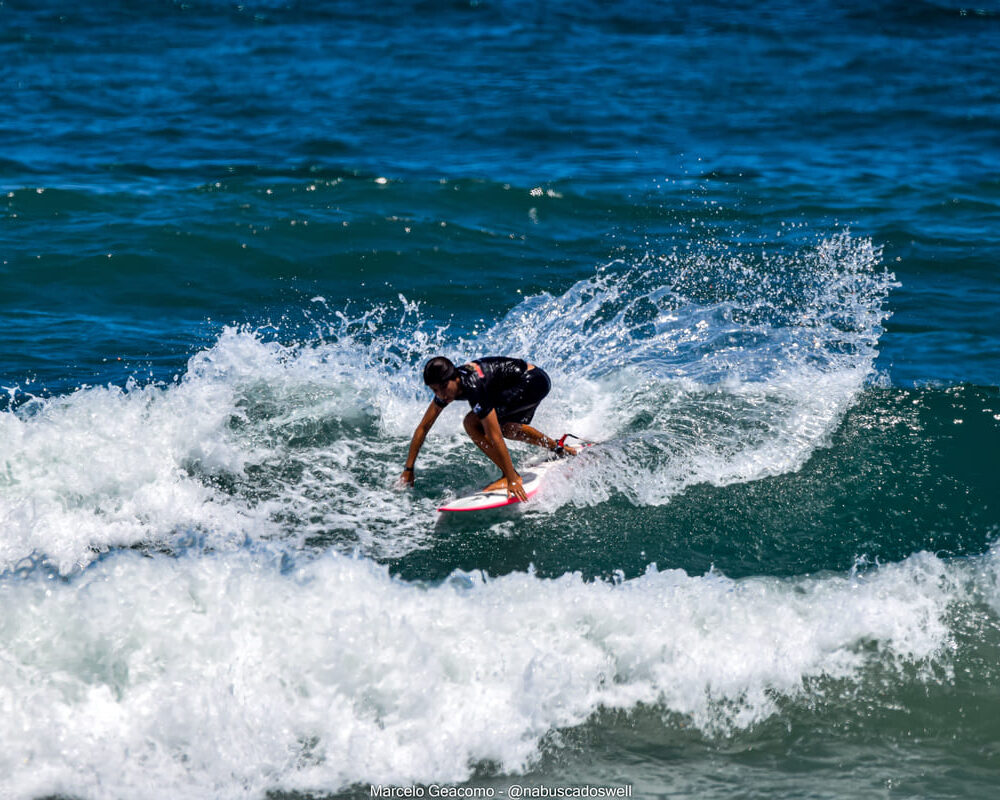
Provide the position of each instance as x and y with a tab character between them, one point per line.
425	424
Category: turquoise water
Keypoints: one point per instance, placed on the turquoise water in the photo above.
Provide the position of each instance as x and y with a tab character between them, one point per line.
755	246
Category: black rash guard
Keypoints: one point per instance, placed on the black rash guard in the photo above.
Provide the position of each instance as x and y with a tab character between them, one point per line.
502	384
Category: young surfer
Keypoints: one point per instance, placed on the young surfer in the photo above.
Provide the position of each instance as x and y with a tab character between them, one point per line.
503	393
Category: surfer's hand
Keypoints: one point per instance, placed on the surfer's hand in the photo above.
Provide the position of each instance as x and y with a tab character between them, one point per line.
406	479
515	488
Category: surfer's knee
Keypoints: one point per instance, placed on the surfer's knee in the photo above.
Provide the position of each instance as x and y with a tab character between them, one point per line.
512	430
472	424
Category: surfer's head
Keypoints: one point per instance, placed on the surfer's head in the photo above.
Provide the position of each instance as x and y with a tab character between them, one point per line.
443	377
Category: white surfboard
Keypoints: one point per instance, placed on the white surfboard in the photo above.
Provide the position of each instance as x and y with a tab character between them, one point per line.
481	501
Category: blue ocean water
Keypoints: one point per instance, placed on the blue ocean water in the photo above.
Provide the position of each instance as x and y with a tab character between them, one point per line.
755	245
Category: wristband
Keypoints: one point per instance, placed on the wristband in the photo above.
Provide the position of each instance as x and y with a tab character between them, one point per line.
407	469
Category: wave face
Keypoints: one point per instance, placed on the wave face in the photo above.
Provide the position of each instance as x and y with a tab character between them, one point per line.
693	371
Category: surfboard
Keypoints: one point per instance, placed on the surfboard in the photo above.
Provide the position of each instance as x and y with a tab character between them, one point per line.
531	478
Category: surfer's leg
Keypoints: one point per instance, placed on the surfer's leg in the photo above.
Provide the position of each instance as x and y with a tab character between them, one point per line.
517	406
522	432
474	427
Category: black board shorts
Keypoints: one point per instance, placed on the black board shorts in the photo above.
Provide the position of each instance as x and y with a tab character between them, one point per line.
518	403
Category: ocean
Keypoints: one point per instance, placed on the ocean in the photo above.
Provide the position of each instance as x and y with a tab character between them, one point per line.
754	244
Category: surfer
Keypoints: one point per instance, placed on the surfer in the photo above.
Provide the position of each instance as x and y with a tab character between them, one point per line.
503	393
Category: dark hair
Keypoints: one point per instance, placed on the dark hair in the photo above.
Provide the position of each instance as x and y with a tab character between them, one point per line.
438	370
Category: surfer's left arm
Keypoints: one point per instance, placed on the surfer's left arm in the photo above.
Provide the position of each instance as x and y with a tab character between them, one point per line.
494	435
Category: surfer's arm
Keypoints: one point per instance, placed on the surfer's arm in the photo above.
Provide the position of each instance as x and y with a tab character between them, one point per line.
425	424
495	437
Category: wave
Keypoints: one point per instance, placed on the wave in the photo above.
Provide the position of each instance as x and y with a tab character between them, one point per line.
231	675
694	369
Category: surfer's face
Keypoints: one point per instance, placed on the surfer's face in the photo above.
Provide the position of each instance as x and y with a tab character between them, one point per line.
446	391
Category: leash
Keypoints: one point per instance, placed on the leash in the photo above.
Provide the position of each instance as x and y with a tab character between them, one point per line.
560	443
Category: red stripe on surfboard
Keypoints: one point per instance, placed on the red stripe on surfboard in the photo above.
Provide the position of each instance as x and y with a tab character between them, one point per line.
507	502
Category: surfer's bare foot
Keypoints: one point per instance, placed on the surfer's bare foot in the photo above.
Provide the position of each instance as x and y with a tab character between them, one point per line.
497	485
514	488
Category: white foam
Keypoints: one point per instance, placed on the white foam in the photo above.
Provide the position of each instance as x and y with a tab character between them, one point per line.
226	676
693	434
106	466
